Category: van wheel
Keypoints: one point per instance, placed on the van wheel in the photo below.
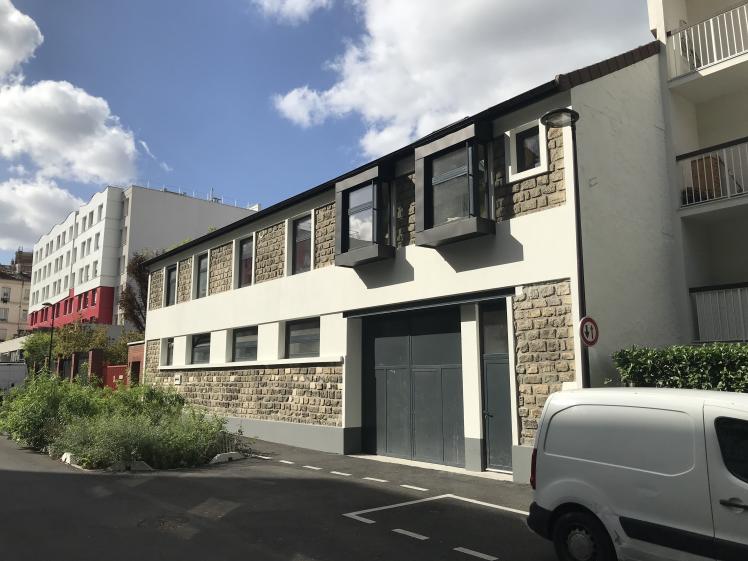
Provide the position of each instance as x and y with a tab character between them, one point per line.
579	536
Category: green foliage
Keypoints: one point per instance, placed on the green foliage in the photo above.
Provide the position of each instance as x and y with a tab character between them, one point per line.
101	426
79	337
720	366
36	348
133	299
116	351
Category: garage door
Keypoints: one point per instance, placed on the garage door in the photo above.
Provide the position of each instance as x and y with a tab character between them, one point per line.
413	386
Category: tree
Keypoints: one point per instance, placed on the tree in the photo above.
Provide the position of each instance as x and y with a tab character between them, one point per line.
133	301
79	337
116	351
36	348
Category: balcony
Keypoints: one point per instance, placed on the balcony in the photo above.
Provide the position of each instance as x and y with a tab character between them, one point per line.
721	313
715	173
708	42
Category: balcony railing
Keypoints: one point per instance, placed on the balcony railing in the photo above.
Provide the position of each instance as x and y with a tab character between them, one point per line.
721	313
718	172
708	42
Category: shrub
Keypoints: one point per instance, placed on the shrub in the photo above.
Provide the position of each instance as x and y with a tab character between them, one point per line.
719	366
178	440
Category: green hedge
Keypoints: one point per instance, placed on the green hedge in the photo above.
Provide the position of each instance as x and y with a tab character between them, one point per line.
720	366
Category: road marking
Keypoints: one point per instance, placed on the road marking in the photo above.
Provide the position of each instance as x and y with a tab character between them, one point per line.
285	462
313	467
340	473
262	457
414	487
410	534
357	515
477	554
375	479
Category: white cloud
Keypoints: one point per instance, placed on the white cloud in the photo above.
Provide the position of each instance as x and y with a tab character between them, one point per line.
30	208
163	165
65	132
291	11
421	64
19	38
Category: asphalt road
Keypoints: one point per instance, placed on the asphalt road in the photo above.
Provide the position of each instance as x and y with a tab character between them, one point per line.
274	507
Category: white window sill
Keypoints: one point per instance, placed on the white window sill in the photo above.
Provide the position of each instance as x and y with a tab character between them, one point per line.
254	363
527	174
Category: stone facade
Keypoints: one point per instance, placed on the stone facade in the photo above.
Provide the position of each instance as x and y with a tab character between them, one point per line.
220	267
184	280
405	211
544	338
156	292
152	359
270	253
292	393
324	236
536	193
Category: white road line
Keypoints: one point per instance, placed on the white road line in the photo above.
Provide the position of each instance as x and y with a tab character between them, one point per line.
375	479
341	473
285	462
410	534
490	505
312	467
414	487
261	457
477	554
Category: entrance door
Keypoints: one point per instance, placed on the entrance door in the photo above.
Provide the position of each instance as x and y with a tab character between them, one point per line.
497	401
413	387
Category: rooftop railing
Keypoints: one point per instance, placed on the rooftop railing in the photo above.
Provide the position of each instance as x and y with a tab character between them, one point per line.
708	42
718	172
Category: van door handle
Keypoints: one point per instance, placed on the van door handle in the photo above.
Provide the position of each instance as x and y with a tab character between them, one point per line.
733	503
487	414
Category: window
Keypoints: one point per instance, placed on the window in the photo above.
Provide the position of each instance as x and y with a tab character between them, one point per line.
95	269
202	276
88	270
171	285
302	338
3	314
244	344
90	219
732	435
245	262
72	280
93	297
96	241
302	245
100	211
83	228
200	348
169	352
528	151
360	217
458	184
88	246
5	296
85	300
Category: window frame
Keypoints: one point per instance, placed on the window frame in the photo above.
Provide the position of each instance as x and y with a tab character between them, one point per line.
237	331
292	245
251	239
193	345
168	356
167	286
510	145
196	279
287	337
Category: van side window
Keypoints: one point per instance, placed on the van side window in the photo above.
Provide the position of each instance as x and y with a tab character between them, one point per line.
732	435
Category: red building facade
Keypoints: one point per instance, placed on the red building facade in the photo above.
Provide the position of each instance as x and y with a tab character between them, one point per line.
95	306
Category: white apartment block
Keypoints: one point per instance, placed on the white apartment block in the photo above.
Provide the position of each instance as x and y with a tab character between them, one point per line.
80	265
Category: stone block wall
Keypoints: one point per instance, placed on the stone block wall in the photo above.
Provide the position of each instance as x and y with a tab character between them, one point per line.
544	339
324	236
292	393
156	293
405	211
184	280
270	252
219	268
536	193
152	359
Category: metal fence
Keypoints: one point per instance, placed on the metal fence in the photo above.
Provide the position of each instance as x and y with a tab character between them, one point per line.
721	314
714	173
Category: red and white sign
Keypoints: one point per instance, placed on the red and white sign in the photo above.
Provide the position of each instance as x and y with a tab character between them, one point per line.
588	331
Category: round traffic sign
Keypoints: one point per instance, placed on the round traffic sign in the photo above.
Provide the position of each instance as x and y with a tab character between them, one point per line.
588	331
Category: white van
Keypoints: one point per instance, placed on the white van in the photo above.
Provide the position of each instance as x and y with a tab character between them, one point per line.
642	474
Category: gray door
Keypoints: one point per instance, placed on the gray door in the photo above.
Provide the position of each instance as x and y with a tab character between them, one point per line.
413	387
497	402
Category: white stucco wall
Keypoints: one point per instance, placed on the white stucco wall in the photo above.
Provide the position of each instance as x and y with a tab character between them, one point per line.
634	283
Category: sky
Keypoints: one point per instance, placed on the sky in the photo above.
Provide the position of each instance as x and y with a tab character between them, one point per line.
258	99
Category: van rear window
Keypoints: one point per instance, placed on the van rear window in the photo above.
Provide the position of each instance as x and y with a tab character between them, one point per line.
653	440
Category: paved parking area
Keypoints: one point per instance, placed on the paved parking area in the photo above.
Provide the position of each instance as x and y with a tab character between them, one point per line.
283	503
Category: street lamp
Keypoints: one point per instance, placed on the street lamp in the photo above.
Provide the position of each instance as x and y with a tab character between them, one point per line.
51	334
557	119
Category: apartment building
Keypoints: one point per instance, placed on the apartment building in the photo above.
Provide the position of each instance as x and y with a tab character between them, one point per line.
15	288
424	305
80	266
704	65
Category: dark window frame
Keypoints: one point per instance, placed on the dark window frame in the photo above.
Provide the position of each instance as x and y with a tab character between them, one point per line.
194	344
170	294
169	354
300	323
295	269
238	331
198	259
241	242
